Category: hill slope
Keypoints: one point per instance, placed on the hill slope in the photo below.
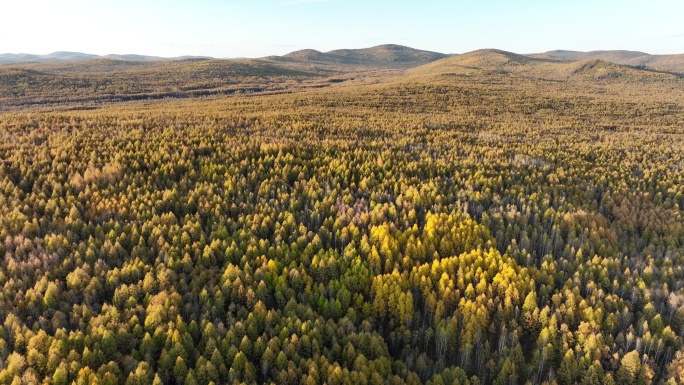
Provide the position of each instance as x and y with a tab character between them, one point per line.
64	56
395	56
61	56
109	80
386	56
99	80
122	77
546	67
671	63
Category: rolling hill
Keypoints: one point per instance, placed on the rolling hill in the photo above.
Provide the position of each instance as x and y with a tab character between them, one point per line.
126	77
388	55
382	56
62	56
484	59
65	56
107	80
541	67
101	79
671	63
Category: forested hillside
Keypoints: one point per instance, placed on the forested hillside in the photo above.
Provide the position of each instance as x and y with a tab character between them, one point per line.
463	223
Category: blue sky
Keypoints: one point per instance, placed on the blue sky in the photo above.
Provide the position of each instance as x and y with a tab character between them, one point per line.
253	28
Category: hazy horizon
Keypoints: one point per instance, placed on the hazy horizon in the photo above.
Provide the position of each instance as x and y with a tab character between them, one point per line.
276	27
285	53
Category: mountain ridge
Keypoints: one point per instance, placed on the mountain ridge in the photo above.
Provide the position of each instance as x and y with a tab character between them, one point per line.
542	67
110	79
385	56
381	54
68	56
392	55
670	63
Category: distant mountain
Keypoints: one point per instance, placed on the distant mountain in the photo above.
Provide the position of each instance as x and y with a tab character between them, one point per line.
382	56
614	56
387	56
133	57
109	80
484	59
309	55
64	56
8	58
671	63
542	67
131	77
487	58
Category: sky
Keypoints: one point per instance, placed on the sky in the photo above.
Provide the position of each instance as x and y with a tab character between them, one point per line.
256	28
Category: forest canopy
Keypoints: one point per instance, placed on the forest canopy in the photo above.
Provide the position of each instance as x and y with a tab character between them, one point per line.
474	228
